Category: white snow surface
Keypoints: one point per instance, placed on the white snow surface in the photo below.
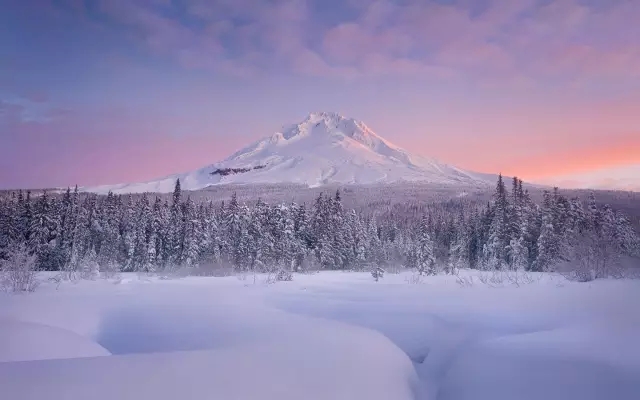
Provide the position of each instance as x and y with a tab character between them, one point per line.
26	341
325	148
331	335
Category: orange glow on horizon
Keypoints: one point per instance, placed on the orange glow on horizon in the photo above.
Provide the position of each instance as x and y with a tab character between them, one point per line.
569	161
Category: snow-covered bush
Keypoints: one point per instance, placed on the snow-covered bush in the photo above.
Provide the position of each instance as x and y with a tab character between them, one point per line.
308	264
284	275
377	273
450	269
109	270
90	269
18	273
593	256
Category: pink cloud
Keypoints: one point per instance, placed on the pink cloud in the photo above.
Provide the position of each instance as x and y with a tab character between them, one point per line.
566	37
516	37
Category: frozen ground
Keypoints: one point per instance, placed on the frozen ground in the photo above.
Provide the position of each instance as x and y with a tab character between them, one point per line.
324	336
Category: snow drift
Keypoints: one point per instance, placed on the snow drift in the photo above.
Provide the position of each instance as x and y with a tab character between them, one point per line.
332	335
182	340
325	148
26	341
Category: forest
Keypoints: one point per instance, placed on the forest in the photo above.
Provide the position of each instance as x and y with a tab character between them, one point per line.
88	234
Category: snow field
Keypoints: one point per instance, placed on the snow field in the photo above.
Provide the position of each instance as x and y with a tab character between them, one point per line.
331	335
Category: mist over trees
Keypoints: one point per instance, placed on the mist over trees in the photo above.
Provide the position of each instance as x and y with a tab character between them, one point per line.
93	234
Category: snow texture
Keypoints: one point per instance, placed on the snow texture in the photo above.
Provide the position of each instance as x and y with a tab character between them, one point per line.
333	335
325	148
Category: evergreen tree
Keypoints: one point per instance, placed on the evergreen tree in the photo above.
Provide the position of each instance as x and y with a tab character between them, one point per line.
496	254
192	233
425	259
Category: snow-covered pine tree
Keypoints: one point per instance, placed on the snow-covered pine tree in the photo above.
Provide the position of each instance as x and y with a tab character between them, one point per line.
628	238
176	229
207	242
322	231
256	238
232	228
6	221
25	218
375	254
495	249
425	259
548	242
337	228
42	232
288	239
156	236
142	216
62	249
127	228
162	221
192	234
357	241
107	257
459	250
241	250
303	234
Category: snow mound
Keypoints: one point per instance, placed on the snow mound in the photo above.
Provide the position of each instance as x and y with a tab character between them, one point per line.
26	341
278	356
324	148
278	372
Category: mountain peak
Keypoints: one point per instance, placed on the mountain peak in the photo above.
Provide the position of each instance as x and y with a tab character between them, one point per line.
326	123
326	115
324	147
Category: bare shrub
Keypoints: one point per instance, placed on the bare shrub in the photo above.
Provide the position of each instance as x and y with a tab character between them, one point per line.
518	278
69	272
394	268
277	274
502	278
489	278
464	281
415	278
144	276
219	269
57	279
242	275
18	273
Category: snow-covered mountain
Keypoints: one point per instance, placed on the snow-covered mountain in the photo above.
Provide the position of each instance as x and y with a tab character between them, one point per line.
325	148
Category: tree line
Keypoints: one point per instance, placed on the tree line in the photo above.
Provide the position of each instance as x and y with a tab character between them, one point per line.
91	233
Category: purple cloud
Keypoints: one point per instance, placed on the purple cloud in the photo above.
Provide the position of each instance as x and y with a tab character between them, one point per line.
516	37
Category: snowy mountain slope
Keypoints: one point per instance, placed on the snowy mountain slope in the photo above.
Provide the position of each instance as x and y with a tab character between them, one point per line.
324	148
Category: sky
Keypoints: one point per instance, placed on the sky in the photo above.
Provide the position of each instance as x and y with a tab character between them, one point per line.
109	91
